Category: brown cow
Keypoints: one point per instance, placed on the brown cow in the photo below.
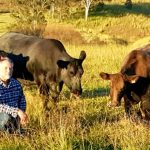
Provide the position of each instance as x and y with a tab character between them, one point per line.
132	82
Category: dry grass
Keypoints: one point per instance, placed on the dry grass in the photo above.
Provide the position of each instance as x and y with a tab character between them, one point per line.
64	33
85	124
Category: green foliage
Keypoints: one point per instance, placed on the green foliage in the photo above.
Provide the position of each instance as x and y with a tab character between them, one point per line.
29	16
63	9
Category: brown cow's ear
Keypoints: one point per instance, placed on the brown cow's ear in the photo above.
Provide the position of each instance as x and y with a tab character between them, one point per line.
62	63
105	76
132	79
82	55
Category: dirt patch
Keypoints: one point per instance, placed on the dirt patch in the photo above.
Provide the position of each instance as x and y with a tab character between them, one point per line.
129	33
5	7
68	34
64	33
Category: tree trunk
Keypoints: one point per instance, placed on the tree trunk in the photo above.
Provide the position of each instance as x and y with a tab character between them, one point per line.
86	13
52	9
87	7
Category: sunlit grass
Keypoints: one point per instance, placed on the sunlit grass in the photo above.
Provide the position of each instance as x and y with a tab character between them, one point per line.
5	22
86	123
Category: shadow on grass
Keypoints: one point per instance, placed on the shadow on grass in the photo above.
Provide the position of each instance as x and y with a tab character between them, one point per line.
96	92
89	120
111	10
87	145
89	93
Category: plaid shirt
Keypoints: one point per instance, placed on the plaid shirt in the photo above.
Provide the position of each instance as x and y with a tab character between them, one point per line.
12	97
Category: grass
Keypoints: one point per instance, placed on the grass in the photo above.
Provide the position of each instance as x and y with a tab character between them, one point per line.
87	123
5	22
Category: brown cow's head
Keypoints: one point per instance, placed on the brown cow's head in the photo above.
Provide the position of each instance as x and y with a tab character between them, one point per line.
71	73
119	85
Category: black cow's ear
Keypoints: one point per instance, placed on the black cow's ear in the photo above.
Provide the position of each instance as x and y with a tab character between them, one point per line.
62	63
82	55
105	76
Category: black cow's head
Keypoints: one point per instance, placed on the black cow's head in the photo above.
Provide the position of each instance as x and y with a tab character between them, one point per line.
119	85
71	73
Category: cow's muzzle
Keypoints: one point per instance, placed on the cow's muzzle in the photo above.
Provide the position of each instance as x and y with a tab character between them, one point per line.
77	92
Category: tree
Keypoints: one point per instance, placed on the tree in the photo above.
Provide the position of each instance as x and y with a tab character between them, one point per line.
87	7
29	16
62	9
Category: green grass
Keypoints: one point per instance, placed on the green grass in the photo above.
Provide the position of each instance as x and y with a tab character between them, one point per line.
87	123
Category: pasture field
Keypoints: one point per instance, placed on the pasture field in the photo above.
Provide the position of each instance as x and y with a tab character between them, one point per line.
87	123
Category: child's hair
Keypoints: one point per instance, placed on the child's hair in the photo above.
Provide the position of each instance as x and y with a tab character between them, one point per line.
3	54
6	59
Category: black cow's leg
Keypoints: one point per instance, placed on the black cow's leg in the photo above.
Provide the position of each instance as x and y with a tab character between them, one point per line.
144	106
130	99
127	106
134	98
141	112
60	86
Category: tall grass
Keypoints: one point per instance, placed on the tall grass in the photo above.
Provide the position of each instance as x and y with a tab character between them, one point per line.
85	124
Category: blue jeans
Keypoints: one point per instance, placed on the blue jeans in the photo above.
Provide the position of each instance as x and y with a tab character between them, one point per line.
9	123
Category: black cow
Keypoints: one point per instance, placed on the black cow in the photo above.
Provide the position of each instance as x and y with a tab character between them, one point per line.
45	61
132	82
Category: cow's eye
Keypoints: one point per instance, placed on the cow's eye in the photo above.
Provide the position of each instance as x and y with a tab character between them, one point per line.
80	72
72	73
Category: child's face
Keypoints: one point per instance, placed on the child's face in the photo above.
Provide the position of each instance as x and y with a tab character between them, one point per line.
6	70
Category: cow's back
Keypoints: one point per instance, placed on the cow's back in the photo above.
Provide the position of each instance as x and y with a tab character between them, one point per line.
17	42
137	62
33	46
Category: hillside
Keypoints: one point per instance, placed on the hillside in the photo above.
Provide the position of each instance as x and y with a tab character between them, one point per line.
111	24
